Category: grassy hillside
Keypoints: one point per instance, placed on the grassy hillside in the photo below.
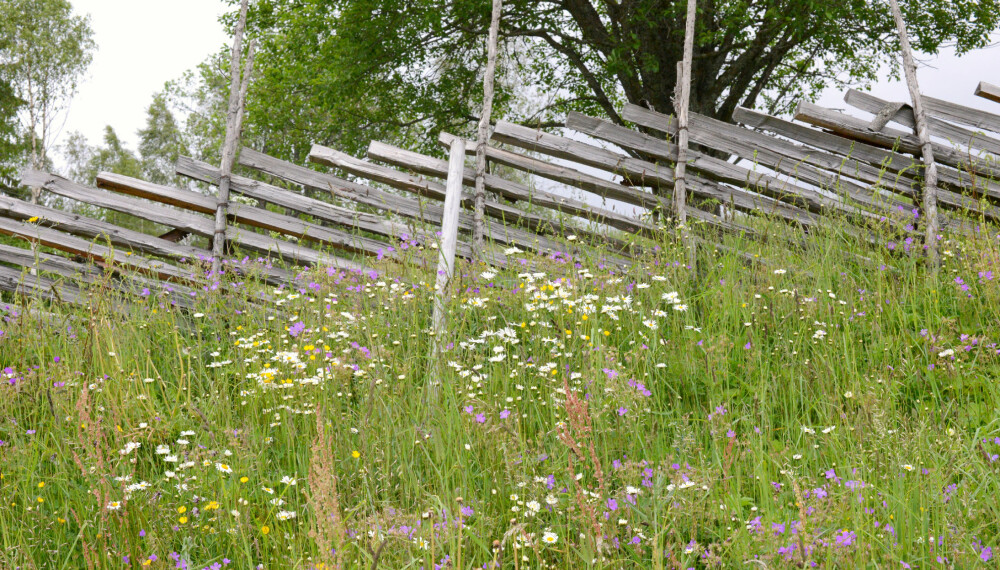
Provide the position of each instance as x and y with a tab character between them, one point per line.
808	408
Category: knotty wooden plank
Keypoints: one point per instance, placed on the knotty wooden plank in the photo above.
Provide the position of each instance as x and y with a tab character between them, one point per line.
511	190
988	91
939	128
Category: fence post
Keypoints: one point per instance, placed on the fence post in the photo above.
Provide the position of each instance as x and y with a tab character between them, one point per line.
234	121
484	131
446	257
681	104
926	148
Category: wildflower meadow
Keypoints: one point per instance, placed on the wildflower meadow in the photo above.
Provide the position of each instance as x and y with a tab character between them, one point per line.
827	403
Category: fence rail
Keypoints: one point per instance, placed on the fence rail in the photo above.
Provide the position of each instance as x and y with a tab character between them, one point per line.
607	185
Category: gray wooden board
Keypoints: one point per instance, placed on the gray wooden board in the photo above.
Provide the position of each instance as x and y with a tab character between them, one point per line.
791	158
570	177
969	116
938	127
23	283
126	239
404	206
864	161
92	250
784	156
180	219
711	167
506	231
374	223
511	190
857	129
241	213
645	172
988	91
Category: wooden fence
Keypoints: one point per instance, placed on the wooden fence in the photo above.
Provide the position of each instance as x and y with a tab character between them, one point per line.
823	162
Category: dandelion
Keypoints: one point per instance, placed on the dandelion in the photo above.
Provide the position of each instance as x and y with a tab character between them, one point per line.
355	454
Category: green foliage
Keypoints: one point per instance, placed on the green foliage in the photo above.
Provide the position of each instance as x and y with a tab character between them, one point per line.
161	142
47	51
343	72
11	145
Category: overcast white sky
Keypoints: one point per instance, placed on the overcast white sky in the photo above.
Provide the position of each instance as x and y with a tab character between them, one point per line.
141	44
144	43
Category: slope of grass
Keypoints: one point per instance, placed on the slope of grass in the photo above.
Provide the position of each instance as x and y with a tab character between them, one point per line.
810	409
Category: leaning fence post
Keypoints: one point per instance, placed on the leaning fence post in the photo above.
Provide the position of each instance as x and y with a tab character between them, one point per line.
681	104
234	121
484	131
926	148
446	254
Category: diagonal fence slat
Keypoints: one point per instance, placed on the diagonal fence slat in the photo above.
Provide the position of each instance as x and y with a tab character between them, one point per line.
988	91
857	129
939	128
646	172
511	190
241	213
894	171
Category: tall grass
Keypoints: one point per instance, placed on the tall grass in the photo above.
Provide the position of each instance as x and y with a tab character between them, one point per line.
808	407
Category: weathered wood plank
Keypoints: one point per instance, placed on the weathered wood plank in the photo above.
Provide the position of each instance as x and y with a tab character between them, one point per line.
899	169
988	91
605	189
91	250
410	208
505	231
856	129
939	128
813	166
326	211
511	190
645	172
125	239
711	167
242	213
180	219
24	284
782	156
969	116
46	262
